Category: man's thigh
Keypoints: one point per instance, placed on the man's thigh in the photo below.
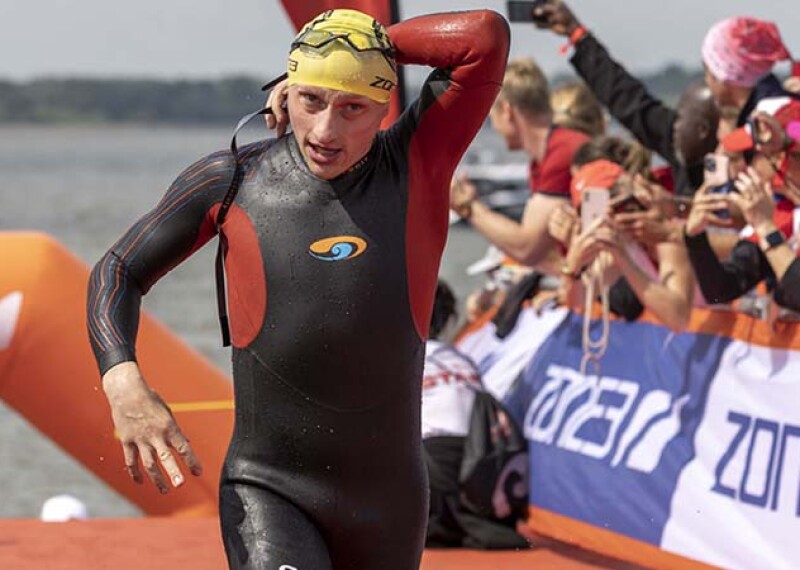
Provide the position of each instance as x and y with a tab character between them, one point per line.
263	531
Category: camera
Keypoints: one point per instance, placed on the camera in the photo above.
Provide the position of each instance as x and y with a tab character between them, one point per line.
715	167
724	188
523	11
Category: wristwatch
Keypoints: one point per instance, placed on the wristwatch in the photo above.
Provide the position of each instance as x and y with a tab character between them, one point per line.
569	274
773	240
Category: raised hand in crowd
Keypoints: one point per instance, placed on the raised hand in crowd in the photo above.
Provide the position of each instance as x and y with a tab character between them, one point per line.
755	200
707	210
563	224
463	194
653	224
555	15
583	249
613	253
670	294
770	135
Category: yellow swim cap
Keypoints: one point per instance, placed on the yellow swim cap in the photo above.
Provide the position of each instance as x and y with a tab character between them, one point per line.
345	50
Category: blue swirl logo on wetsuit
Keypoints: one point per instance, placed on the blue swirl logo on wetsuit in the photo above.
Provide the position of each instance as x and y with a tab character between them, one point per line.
337	248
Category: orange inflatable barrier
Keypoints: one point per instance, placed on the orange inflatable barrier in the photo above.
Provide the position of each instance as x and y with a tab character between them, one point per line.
48	375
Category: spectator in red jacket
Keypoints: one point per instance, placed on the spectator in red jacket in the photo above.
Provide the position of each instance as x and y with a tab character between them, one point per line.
523	115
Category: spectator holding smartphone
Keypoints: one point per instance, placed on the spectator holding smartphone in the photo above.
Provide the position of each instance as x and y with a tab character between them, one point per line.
767	194
564	223
523	116
659	276
682	136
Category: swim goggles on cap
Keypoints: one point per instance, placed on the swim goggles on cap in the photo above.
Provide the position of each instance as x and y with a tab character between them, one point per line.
355	40
358	41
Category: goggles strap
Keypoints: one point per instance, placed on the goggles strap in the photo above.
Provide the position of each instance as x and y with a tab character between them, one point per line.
230	195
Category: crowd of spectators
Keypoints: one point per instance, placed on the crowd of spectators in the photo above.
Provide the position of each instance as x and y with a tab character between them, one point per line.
700	203
701	200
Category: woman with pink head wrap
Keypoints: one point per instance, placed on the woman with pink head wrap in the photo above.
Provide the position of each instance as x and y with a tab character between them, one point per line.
739	54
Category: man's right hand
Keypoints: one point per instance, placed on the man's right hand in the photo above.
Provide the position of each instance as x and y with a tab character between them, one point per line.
556	16
463	194
146	428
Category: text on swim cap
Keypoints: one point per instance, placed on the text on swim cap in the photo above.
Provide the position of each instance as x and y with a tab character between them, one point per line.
382	83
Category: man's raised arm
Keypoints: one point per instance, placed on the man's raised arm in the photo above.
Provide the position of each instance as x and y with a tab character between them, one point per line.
469	51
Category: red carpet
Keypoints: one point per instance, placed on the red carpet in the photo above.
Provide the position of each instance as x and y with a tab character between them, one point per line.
194	544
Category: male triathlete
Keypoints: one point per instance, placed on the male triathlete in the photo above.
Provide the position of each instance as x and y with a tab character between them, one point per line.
334	242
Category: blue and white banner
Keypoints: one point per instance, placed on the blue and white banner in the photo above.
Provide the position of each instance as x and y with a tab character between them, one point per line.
687	442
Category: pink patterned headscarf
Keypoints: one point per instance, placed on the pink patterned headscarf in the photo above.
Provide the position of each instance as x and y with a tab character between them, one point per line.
741	51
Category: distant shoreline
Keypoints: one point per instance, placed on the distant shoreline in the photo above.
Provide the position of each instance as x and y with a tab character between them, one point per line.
217	102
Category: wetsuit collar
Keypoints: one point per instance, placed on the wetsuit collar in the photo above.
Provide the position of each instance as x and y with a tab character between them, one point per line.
345	180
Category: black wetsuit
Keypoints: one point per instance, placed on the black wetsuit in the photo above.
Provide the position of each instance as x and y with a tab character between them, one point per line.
330	290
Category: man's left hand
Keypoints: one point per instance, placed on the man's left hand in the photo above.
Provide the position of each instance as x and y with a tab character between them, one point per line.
279	118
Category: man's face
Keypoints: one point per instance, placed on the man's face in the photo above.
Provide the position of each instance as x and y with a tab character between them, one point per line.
502	119
334	129
688	136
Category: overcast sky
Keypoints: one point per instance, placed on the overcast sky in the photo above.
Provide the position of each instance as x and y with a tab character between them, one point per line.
215	38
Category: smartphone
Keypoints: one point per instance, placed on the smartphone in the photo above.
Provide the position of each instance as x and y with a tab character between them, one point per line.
724	188
594	204
523	11
715	169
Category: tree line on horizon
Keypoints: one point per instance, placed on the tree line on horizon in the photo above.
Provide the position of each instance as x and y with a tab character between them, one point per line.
222	101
